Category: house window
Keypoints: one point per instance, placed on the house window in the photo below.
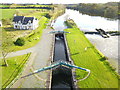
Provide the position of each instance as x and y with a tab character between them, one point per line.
29	27
25	27
15	26
18	27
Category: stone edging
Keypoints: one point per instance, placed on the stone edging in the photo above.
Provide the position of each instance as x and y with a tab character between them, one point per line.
48	82
71	61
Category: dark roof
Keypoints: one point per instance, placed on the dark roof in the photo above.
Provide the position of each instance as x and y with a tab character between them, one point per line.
26	19
18	18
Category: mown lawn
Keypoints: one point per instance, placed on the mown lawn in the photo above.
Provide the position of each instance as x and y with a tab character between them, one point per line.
16	65
31	36
102	75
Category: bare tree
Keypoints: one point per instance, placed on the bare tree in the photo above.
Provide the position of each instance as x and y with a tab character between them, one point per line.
5	46
5	51
6	40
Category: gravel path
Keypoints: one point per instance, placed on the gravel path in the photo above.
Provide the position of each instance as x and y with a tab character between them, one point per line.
41	57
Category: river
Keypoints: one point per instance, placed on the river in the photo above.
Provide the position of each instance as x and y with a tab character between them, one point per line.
108	46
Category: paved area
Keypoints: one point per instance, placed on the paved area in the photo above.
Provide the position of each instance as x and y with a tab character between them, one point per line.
41	57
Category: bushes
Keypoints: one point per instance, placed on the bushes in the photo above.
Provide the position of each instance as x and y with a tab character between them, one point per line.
6	21
47	15
20	42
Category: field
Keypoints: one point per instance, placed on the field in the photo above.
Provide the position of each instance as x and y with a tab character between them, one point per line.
85	55
16	65
9	13
4	5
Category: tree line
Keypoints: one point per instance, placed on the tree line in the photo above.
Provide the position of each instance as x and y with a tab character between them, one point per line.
108	10
26	8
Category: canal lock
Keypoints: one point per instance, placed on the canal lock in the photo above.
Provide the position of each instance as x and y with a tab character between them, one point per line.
62	77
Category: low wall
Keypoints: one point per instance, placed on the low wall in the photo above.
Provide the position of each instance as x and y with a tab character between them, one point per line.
73	70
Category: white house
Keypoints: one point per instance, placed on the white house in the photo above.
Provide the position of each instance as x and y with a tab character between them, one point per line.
22	22
0	23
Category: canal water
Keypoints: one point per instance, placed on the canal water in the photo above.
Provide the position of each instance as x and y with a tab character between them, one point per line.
60	49
61	76
108	46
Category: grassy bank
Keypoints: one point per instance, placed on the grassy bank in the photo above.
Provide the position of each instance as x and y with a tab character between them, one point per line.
84	54
15	67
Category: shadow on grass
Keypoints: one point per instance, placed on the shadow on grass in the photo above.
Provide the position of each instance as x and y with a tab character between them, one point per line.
103	58
2	65
74	53
12	29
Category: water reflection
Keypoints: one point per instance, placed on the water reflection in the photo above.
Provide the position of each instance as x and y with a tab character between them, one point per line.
59	24
89	23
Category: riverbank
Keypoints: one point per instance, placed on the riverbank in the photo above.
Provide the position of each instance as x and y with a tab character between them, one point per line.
108	46
84	54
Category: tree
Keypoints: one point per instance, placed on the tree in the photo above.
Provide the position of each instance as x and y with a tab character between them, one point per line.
20	42
6	43
13	5
6	21
47	15
5	52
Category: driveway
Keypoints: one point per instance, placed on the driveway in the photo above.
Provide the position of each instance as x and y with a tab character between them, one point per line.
41	57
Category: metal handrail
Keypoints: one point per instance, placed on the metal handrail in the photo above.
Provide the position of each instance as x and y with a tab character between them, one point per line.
59	63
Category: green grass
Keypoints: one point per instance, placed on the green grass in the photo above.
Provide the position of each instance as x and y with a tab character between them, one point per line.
9	13
16	65
4	5
102	75
69	23
31	37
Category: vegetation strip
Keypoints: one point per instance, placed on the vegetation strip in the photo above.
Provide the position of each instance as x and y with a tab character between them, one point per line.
84	54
